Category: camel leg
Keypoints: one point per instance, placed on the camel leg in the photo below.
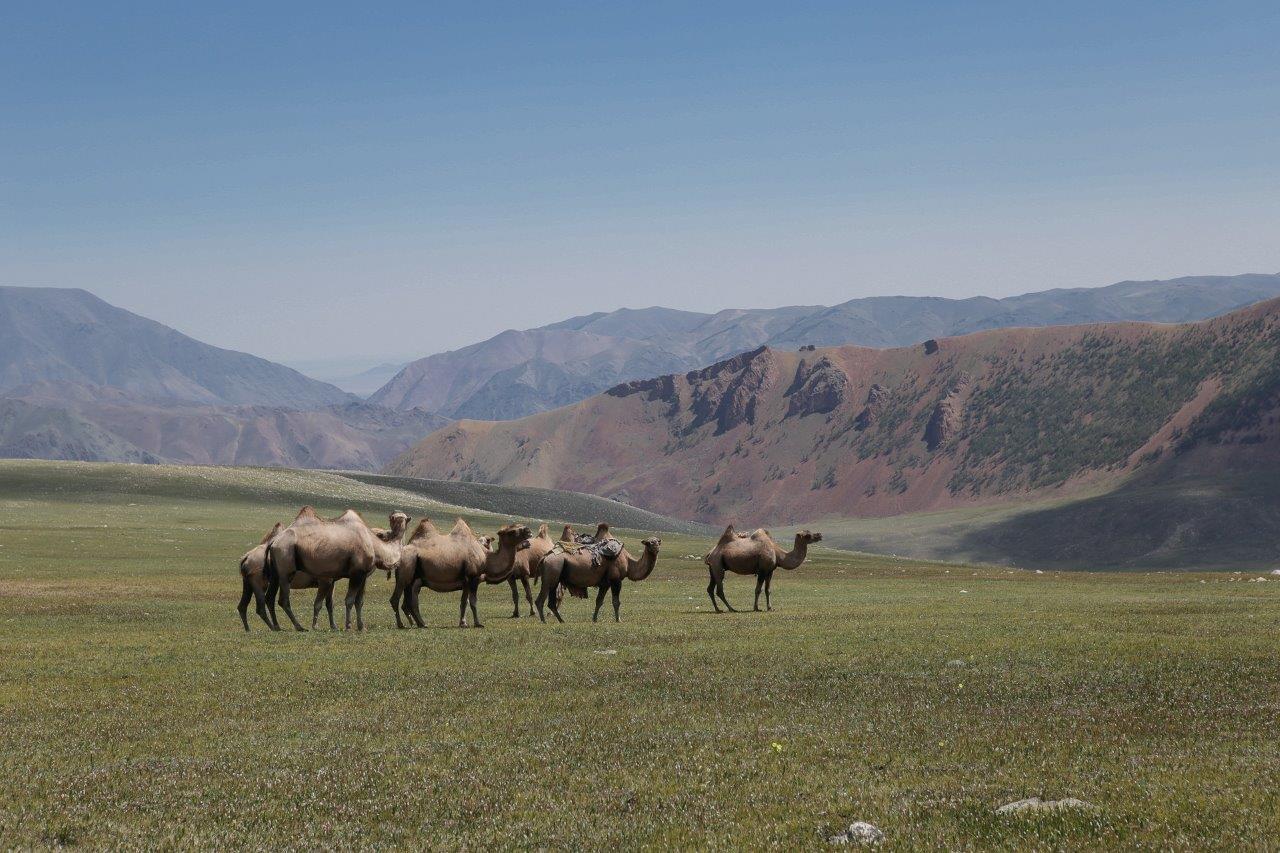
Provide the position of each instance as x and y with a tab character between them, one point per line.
395	601
264	612
316	605
273	587
554	602
542	597
412	603
360	603
284	604
720	592
759	586
354	588
515	598
528	594
246	593
550	578
328	605
462	608
768	582
471	597
711	590
616	589
604	587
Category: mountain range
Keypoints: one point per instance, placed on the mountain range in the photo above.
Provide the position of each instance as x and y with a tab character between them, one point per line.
83	379
993	417
518	373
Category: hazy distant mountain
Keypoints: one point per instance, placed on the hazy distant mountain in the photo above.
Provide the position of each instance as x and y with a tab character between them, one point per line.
774	436
82	379
362	383
516	373
56	334
59	420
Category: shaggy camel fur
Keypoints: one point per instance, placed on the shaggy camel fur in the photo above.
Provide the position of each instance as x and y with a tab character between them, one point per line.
625	566
452	562
757	555
255	585
331	550
527	563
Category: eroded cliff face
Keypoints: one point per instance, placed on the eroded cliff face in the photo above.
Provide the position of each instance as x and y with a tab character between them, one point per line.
726	392
818	388
947	418
775	436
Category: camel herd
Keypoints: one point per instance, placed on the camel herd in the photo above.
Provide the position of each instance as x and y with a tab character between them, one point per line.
316	553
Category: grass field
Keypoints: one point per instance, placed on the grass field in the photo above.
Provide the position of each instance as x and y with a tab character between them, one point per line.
135	712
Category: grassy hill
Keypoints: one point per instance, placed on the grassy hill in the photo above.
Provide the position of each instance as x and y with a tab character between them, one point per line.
137	713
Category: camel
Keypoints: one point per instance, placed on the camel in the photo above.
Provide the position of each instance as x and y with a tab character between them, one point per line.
625	566
453	562
253	577
576	570
756	554
526	567
344	547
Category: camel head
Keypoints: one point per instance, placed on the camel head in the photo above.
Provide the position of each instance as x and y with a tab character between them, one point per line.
398	522
807	537
652	544
486	541
515	535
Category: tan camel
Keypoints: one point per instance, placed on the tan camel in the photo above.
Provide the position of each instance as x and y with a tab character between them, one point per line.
344	547
576	570
526	567
757	555
255	585
628	567
453	562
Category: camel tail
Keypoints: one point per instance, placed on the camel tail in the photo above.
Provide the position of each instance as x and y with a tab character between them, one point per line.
243	561
269	567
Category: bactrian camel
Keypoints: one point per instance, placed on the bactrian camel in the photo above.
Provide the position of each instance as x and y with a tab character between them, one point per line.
577	571
527	564
453	562
756	554
344	547
255	585
628	567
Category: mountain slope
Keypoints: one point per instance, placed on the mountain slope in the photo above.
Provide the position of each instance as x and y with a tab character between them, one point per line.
518	373
55	334
93	423
774	436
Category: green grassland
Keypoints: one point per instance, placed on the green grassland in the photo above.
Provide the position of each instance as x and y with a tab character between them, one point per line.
135	712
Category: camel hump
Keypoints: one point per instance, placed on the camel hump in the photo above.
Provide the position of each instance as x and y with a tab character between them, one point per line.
424	529
543	532
461	528
307	513
728	536
275	531
567	534
761	535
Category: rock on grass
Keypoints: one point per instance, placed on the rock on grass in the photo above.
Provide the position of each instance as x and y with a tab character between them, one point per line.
1035	804
859	832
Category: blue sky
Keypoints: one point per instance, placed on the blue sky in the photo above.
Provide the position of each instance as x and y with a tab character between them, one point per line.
317	181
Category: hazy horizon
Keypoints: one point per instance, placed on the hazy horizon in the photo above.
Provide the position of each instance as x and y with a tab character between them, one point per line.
310	186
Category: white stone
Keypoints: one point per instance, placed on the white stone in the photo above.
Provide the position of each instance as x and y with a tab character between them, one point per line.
859	832
1035	804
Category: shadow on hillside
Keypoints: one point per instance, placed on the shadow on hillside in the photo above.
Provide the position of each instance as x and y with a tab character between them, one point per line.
1189	522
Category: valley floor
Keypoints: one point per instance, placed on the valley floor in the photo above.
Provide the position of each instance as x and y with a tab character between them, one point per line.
134	711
